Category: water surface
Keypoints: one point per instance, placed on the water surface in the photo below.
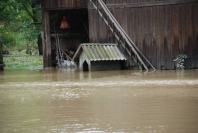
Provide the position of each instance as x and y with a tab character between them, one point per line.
57	101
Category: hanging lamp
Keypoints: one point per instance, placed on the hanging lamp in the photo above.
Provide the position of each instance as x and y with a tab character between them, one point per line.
64	23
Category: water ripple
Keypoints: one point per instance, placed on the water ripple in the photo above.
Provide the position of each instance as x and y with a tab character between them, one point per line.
103	83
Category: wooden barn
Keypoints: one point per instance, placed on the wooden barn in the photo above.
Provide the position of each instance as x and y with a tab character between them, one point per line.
151	33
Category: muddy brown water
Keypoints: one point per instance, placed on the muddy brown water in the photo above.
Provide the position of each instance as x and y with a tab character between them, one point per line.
58	101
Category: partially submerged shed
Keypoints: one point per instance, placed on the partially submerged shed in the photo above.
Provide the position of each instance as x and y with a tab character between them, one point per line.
96	56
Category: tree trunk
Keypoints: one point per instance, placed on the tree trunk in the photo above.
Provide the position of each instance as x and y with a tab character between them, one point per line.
1	59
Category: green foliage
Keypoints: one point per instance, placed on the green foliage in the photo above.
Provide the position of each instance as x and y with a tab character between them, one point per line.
8	39
22	61
17	28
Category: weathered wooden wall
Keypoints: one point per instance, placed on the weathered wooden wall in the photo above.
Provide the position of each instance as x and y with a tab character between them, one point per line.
62	4
162	29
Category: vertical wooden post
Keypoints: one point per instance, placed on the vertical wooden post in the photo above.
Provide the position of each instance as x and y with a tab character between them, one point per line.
47	53
1	57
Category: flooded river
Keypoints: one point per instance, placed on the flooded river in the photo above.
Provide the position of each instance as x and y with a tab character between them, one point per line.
106	101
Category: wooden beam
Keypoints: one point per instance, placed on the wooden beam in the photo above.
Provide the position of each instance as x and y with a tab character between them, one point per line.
47	53
63	8
148	4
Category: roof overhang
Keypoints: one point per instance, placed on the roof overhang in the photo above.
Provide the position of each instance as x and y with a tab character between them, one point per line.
100	52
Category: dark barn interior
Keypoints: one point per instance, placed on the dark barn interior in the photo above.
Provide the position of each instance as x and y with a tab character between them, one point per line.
161	29
73	35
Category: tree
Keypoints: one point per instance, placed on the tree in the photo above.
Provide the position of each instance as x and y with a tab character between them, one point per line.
19	23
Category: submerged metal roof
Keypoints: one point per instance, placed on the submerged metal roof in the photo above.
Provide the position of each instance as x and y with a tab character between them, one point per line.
100	52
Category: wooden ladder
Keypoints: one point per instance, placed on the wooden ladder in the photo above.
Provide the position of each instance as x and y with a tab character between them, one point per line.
125	43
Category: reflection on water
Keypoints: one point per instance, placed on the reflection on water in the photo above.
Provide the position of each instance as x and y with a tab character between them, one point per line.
115	101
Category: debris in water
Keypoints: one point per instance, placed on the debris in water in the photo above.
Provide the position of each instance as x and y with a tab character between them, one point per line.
180	61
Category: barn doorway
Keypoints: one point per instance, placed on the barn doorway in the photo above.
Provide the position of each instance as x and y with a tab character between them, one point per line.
71	27
85	66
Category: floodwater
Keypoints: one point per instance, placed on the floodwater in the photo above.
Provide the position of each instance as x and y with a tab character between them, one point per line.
58	101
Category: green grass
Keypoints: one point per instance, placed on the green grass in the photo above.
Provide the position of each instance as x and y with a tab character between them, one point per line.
22	61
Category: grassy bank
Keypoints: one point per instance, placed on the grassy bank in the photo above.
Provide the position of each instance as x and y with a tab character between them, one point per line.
21	61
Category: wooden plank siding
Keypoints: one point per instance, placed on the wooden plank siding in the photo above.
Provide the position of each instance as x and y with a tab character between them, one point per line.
162	29
63	4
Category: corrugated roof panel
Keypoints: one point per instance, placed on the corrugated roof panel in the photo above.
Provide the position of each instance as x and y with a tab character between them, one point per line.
108	52
94	52
115	55
111	52
99	52
87	53
103	53
93	57
119	53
